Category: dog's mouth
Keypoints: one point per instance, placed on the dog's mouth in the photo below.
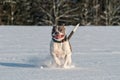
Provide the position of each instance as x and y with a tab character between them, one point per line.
58	36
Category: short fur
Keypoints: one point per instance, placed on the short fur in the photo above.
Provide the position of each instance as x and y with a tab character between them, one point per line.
60	47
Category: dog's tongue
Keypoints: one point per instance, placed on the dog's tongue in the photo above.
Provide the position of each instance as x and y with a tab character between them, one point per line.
59	36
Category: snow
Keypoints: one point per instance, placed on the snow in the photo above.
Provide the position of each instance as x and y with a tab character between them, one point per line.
24	49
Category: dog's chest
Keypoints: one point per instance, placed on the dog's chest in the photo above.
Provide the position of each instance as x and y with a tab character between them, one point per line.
60	48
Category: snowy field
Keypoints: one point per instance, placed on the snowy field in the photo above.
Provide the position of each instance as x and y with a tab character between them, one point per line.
23	50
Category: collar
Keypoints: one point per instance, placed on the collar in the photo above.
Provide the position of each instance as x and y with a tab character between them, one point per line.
65	39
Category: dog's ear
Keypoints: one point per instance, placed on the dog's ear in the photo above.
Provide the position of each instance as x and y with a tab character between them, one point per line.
54	29
54	26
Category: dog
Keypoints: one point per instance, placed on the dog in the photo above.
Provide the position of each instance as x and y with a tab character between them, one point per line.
60	47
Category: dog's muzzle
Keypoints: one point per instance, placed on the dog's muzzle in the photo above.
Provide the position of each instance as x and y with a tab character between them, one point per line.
58	36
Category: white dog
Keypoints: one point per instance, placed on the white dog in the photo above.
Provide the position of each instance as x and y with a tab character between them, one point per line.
60	47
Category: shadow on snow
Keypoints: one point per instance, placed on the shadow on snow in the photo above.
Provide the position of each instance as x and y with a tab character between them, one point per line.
23	65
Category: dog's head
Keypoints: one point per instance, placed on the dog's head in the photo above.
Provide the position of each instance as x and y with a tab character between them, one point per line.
58	33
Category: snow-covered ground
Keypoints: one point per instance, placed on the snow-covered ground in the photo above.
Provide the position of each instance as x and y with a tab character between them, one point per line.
23	49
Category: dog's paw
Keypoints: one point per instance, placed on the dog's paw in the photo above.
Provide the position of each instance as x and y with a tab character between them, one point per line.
69	67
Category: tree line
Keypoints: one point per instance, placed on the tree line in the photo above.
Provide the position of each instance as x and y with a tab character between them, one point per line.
58	12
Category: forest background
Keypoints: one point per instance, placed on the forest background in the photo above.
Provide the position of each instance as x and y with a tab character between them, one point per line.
58	12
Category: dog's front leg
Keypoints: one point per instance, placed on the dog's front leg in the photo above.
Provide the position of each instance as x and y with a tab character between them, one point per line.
57	60
68	61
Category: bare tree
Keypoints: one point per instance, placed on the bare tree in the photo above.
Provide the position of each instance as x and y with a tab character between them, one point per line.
57	11
111	15
1	12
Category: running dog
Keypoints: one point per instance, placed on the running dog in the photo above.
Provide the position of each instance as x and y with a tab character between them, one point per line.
60	47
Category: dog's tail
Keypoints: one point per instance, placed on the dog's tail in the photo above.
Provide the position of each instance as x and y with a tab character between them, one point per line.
73	31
